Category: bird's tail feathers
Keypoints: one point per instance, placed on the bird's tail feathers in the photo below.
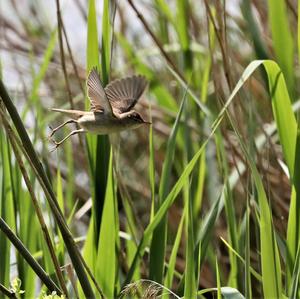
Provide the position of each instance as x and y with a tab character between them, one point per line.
72	113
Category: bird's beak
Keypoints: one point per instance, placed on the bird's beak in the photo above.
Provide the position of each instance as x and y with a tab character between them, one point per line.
147	123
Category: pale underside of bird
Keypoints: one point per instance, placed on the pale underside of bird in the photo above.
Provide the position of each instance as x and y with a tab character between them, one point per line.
111	107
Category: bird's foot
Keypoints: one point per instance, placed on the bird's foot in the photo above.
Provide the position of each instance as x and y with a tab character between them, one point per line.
52	132
56	144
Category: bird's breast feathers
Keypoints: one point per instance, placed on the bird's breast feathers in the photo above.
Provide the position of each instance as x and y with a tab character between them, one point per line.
101	123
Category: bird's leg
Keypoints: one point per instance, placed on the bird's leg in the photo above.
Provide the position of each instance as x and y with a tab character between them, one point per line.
60	126
58	143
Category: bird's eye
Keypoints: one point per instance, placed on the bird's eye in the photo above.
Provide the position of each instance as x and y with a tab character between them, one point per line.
135	117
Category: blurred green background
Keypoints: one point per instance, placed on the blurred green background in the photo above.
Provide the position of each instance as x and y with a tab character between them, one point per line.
202	204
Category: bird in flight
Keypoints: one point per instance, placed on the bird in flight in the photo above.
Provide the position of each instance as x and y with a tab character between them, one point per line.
111	107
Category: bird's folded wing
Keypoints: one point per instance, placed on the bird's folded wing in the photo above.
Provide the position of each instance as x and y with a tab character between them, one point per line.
96	93
123	94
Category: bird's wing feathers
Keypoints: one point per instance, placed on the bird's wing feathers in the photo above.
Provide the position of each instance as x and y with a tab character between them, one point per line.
124	93
96	93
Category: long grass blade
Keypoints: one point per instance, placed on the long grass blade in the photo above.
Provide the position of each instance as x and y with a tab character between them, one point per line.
157	257
282	40
106	256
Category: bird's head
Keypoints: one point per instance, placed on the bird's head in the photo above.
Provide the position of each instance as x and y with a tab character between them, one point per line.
135	120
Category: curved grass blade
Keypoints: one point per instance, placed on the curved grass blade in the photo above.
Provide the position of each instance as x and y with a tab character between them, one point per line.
158	244
282	40
227	292
164	208
270	262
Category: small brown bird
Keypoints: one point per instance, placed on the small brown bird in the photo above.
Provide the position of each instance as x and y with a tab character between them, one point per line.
111	107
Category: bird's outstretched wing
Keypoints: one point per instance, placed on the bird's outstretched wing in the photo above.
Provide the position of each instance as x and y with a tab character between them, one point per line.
96	93
123	94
